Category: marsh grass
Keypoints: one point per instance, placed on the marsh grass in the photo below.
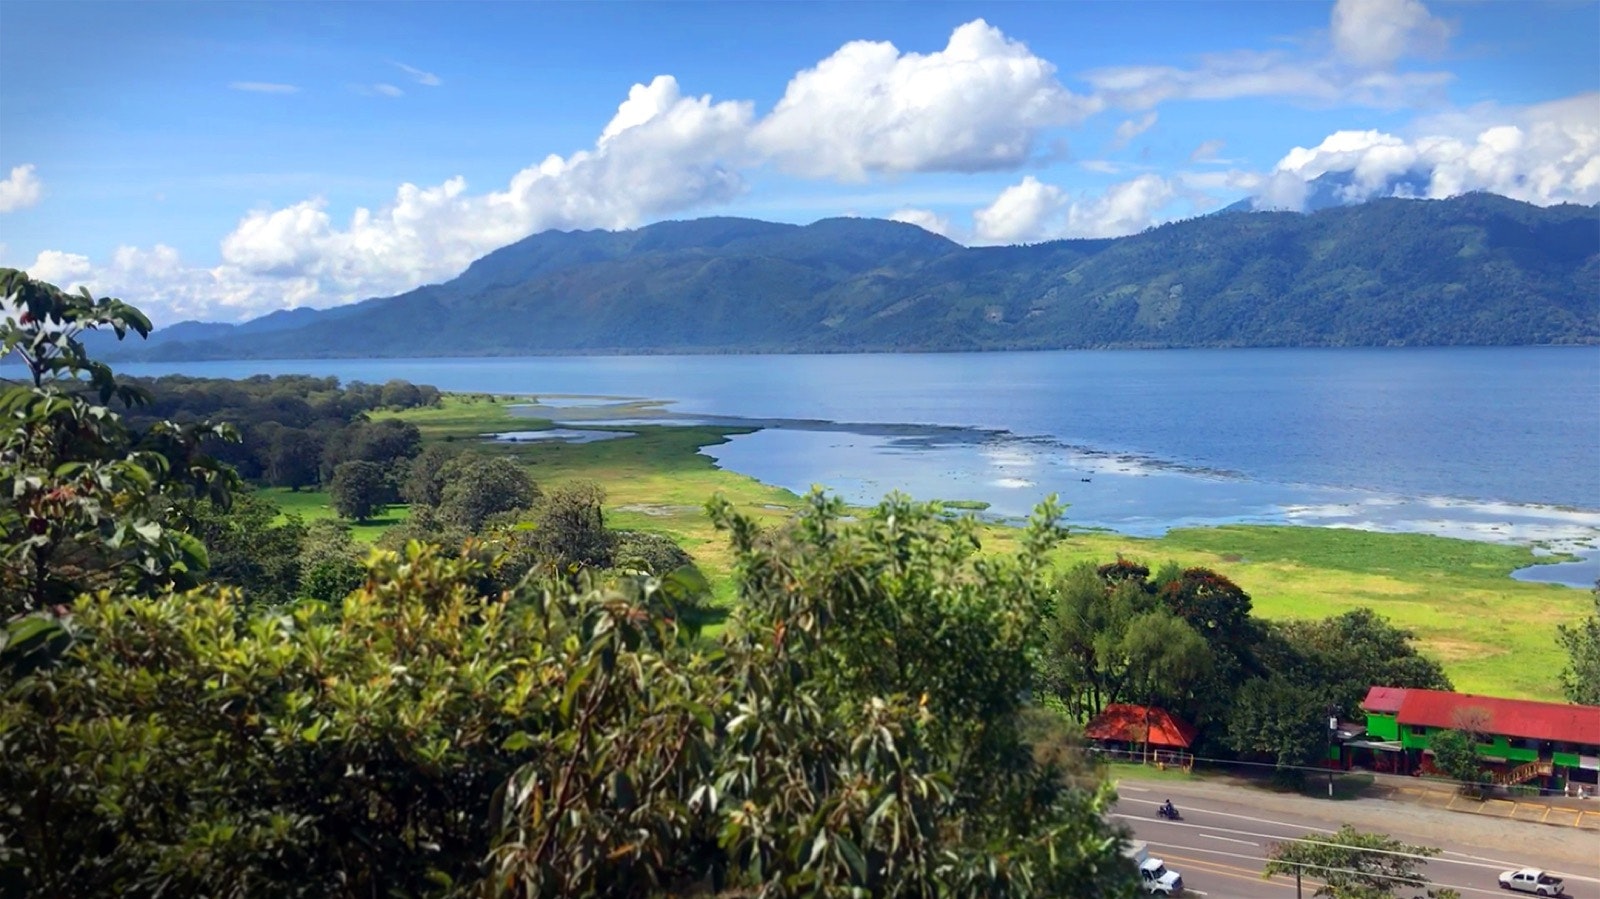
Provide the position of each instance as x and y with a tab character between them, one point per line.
1494	635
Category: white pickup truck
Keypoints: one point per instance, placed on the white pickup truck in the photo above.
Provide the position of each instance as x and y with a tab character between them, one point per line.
1154	876
1531	880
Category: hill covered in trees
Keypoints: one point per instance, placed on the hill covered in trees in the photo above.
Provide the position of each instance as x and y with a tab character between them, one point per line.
1474	270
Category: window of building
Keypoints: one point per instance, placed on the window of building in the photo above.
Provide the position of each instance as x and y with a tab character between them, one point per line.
1418	730
1486	739
1519	743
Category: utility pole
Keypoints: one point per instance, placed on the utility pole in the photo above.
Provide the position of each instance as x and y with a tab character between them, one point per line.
1333	733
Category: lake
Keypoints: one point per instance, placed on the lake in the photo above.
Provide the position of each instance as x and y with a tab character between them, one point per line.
1485	443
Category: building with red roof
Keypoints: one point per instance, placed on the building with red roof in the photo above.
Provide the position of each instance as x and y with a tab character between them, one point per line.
1518	739
1138	725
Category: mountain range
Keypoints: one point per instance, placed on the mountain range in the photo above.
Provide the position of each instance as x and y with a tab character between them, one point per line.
1478	269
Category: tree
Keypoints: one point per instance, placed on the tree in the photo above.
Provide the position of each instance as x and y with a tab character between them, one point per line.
477	488
329	562
1279	718
85	500
359	490
249	547
398	394
1580	680
1352	864
1112	640
1455	758
426	475
857	732
292	458
569	531
1348	654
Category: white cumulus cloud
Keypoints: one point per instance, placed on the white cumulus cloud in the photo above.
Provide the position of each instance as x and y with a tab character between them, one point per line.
1546	153
661	152
927	220
979	104
1021	213
1377	33
21	189
1032	211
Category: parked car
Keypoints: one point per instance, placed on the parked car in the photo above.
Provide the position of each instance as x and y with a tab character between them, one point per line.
1532	880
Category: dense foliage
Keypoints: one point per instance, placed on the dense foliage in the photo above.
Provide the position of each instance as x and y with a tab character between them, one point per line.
1581	640
86	498
1353	864
200	697
1473	270
1185	640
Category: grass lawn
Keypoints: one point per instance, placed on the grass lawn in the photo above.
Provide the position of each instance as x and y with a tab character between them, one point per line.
313	504
1493	635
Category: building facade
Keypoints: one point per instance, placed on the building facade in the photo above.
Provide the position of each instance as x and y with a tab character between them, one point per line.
1546	744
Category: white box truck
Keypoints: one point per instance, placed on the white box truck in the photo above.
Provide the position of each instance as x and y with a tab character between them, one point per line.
1154	876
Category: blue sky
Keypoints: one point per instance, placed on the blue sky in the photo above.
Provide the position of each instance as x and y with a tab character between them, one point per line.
223	160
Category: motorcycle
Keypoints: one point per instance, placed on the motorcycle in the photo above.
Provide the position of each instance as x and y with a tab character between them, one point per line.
1169	811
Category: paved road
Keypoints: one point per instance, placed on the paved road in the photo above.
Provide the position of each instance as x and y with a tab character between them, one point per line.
1221	844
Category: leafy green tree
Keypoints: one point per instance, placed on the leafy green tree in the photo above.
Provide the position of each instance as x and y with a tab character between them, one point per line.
1349	654
876	747
329	561
249	547
1281	719
1580	680
1111	640
85	500
1455	758
427	475
477	488
858	732
398	394
360	490
1353	864
292	458
568	532
655	554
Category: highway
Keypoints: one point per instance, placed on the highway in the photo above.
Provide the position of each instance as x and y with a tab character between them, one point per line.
1221	844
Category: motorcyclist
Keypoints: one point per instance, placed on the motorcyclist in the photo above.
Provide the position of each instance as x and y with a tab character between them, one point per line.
1168	809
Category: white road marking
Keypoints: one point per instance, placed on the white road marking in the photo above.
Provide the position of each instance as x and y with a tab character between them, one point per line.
1126	789
1213	836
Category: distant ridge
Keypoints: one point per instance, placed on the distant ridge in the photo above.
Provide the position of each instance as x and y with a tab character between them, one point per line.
1478	269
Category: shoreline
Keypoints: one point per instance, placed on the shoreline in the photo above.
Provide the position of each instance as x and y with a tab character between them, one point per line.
1565	539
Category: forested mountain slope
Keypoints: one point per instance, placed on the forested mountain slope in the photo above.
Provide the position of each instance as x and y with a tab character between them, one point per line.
1478	269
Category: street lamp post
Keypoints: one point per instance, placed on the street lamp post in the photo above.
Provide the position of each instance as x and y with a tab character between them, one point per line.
1333	734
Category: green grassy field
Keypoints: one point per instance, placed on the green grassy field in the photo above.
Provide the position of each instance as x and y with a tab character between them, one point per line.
313	504
1494	635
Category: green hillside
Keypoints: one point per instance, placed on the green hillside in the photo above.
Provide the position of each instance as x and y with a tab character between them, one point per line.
1474	270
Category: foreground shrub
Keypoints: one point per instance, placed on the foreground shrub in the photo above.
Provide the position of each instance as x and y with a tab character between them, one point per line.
856	731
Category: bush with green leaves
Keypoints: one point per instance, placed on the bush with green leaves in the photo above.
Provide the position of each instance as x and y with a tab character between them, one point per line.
85	500
857	730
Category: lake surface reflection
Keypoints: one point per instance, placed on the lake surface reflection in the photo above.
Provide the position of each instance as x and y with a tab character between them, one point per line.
1488	443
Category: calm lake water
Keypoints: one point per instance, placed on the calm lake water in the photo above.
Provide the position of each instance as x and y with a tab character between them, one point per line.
1489	443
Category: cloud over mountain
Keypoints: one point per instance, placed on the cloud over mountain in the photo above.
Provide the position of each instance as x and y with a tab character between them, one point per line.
978	104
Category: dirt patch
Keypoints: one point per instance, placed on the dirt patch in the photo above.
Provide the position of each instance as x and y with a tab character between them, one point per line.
1456	650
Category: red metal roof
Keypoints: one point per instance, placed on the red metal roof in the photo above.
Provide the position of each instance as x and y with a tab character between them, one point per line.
1384	700
1127	724
1508	717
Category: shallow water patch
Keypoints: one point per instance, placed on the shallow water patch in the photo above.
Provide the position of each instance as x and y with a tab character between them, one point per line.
559	435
